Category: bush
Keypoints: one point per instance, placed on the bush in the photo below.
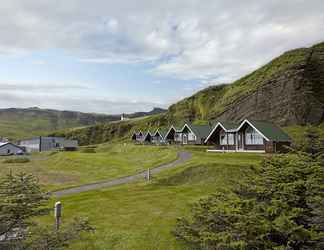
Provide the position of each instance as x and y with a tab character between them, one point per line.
17	160
88	150
280	207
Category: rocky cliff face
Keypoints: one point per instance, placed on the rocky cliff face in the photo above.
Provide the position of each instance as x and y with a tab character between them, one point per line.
292	97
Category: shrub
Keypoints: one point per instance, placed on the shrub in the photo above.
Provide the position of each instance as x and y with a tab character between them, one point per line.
17	160
88	150
280	207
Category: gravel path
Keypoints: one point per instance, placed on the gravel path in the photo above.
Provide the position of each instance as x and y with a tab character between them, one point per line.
182	157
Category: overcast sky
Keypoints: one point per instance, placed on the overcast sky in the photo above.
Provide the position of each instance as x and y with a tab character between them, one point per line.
123	56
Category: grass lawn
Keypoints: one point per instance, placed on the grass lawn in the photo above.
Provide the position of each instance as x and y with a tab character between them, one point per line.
66	169
142	215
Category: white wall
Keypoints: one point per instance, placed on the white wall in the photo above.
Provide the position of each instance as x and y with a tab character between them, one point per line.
9	149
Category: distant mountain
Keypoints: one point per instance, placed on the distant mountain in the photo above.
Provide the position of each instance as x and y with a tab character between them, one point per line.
155	111
288	91
17	123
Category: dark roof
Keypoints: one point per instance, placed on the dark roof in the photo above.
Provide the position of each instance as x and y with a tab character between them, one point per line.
271	131
229	125
163	132
9	143
201	131
147	133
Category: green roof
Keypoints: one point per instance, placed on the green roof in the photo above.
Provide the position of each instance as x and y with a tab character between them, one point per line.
229	125
163	132
201	131
271	131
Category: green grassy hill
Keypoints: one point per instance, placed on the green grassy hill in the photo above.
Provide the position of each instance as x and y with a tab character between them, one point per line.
289	91
21	123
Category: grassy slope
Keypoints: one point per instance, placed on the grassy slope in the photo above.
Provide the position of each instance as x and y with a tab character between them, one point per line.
67	169
207	103
201	107
142	216
22	123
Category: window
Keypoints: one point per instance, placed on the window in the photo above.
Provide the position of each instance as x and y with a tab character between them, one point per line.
230	139
191	137
252	137
222	138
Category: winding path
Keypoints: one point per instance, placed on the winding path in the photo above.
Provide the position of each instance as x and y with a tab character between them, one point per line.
182	157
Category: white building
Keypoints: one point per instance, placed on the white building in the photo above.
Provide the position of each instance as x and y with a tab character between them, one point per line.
124	118
41	144
8	148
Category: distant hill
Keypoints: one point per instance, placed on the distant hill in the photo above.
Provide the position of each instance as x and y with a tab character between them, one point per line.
288	91
18	123
155	111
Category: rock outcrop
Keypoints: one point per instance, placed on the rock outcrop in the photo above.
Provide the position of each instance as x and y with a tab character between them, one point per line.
293	97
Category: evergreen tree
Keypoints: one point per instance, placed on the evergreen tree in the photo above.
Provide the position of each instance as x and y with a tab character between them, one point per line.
21	199
280	207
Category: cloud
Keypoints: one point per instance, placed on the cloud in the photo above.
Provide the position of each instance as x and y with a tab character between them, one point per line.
46	87
60	101
211	41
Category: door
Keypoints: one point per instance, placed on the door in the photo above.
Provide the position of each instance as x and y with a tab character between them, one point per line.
185	139
239	141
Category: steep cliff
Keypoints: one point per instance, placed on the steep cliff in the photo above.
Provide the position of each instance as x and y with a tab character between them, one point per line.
288	91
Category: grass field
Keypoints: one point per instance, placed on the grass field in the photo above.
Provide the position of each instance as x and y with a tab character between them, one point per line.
142	215
65	169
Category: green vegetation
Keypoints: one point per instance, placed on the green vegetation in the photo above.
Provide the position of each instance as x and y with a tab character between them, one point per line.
16	160
210	102
24	123
279	206
298	134
17	124
66	169
21	200
142	215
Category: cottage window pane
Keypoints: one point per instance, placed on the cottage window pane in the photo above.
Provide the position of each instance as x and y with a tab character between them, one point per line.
252	137
230	139
191	137
222	138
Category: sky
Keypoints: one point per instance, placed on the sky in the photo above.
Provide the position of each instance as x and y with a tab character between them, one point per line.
108	56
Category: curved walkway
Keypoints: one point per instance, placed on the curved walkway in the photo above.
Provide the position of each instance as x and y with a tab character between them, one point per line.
182	157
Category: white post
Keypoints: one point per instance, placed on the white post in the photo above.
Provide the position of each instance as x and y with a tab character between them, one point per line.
57	214
148	175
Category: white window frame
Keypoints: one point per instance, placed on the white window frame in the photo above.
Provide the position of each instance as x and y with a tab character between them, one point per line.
230	138
252	137
223	138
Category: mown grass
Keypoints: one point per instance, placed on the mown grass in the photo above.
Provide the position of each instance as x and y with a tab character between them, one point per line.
66	169
142	215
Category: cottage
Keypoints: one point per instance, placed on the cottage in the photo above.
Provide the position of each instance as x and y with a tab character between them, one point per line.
8	148
172	136
248	136
137	136
158	137
193	134
41	144
147	137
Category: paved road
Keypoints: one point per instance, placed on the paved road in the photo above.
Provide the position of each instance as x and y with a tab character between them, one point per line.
182	157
